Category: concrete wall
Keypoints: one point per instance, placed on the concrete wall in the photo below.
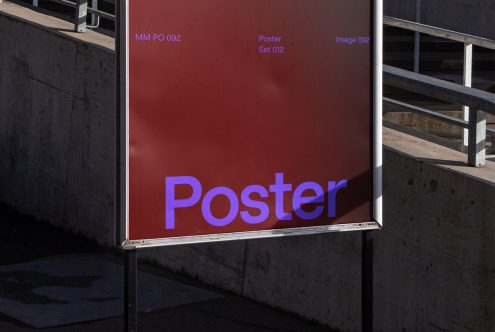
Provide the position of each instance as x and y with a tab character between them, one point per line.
57	128
473	17
435	259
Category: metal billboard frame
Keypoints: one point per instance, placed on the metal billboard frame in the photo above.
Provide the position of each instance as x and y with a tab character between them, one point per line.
122	151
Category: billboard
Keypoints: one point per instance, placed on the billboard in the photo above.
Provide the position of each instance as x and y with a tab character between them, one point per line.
247	119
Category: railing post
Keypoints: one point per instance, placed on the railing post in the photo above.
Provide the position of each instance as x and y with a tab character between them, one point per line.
467	81
417	36
81	14
94	19
477	136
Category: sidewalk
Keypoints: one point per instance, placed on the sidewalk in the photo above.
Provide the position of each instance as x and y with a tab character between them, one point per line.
24	240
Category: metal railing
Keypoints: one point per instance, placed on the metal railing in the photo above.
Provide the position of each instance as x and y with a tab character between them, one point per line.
479	101
81	12
474	123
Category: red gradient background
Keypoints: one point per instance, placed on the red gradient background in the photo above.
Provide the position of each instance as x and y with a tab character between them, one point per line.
212	107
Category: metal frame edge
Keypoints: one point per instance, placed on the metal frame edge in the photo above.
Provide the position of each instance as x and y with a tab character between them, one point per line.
122	199
284	232
121	123
377	111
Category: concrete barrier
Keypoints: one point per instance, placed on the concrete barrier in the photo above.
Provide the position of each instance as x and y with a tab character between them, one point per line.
435	257
58	123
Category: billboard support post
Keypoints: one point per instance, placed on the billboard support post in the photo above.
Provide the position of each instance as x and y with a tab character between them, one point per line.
130	292
367	281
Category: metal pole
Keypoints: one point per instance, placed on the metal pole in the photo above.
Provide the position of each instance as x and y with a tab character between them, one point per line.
81	14
35	3
477	137
130	292
417	36
367	281
94	18
467	81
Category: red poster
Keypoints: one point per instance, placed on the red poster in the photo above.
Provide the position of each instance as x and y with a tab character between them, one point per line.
248	116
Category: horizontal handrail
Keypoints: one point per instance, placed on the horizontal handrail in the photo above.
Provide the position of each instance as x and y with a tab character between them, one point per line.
439	32
101	14
65	2
440	89
392	104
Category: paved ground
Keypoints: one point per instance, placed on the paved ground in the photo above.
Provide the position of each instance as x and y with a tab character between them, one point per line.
23	239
